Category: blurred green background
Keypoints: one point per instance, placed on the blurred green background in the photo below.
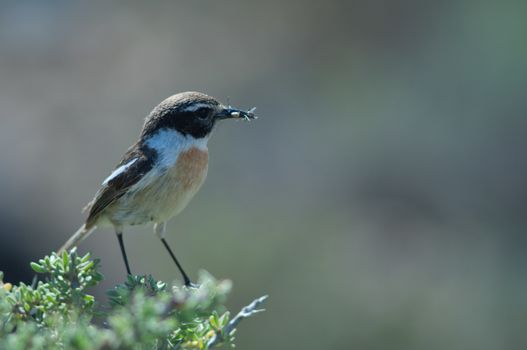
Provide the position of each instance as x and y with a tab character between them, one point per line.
380	199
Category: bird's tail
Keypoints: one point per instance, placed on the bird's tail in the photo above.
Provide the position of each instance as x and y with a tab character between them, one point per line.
76	238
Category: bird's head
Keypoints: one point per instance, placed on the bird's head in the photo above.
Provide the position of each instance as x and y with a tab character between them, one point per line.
191	114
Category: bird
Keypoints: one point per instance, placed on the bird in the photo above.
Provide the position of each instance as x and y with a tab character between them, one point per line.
160	173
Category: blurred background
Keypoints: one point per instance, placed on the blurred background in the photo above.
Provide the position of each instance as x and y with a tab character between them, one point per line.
380	199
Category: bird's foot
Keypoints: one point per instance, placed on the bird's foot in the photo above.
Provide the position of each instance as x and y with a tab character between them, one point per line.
189	284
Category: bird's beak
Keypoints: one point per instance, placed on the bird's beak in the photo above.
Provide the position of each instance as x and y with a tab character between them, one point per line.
233	113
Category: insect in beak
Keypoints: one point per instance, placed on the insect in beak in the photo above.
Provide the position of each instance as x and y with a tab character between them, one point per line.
233	113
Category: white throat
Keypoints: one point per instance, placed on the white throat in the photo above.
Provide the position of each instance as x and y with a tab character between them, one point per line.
168	143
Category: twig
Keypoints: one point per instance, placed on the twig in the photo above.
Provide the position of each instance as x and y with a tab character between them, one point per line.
247	311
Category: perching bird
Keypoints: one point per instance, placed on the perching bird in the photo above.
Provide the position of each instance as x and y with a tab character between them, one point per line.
161	172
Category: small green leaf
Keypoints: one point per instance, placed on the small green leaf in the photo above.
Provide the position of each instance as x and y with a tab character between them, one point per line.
86	257
213	320
65	259
224	319
37	268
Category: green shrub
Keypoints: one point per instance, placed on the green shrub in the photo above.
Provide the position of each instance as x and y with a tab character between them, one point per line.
142	313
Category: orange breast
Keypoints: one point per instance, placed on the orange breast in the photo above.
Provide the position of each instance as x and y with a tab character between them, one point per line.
191	167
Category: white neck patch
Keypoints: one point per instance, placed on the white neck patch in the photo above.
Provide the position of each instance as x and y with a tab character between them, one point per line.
168	143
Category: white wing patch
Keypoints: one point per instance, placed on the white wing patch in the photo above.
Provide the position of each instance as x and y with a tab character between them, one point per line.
119	171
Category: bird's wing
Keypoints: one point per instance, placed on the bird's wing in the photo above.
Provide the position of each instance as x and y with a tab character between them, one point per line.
137	161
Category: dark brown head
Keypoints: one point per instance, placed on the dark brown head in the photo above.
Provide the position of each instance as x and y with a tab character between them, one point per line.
190	113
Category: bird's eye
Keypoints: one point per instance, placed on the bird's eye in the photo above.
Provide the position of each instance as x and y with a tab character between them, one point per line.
203	113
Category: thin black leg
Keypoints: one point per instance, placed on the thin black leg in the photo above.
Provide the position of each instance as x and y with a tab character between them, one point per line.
123	252
188	283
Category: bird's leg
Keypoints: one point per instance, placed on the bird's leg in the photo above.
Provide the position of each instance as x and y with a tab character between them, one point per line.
159	229
119	234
